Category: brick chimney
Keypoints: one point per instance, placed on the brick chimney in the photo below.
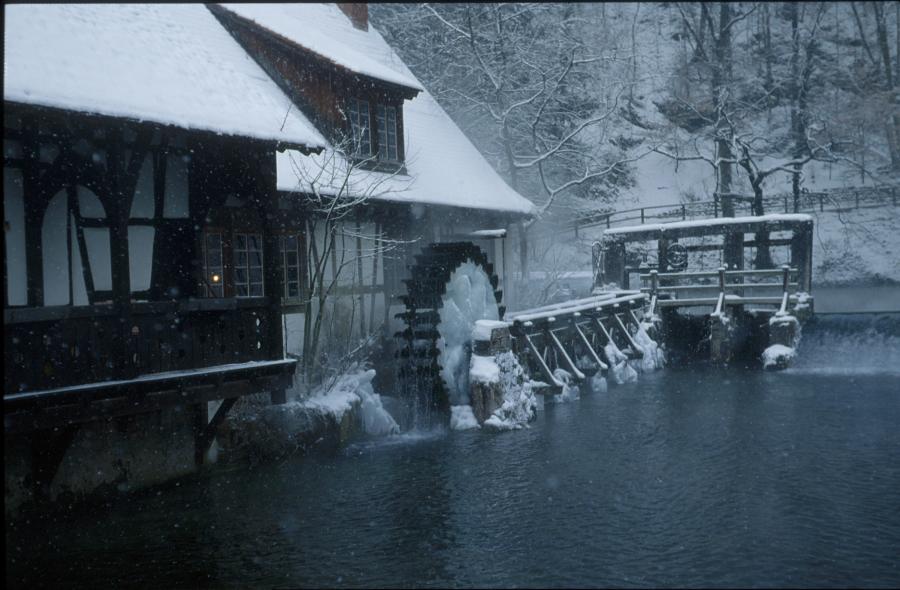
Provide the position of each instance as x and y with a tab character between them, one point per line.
357	12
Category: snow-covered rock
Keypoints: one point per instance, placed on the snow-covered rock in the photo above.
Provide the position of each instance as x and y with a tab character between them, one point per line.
777	356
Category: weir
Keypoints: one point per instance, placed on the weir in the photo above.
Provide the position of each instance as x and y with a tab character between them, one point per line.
581	337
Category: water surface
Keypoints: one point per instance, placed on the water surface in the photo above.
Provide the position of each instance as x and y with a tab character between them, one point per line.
686	478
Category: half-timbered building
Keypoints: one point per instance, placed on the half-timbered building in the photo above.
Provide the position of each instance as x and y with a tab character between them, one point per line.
194	197
131	134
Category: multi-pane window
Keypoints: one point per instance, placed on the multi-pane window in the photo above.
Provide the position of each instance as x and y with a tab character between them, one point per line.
213	269
248	265
360	126
387	132
290	261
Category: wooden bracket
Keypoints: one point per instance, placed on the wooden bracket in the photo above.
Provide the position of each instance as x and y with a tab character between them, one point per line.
207	434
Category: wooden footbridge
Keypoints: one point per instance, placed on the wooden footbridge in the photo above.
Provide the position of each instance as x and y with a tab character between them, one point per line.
730	310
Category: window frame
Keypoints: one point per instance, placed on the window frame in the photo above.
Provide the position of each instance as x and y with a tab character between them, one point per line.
207	270
384	126
385	142
300	265
355	116
247	266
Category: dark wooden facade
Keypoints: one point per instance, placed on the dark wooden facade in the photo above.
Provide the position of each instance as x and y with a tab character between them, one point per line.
111	216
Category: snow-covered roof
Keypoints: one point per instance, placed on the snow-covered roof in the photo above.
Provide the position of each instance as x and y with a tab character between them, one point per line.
325	30
444	167
173	64
713	222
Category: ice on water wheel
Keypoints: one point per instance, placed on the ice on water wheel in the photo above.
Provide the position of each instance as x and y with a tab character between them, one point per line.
451	286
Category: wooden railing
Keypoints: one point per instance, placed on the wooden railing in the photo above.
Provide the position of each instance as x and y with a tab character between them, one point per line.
830	201
731	292
53	347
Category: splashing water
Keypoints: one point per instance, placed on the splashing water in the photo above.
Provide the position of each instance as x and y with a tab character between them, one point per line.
863	344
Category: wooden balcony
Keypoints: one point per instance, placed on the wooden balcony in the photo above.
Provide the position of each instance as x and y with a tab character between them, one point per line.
49	348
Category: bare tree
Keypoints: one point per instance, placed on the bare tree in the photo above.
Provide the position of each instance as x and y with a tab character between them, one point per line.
335	185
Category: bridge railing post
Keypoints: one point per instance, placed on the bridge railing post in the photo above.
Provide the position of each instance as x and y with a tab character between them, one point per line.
721	279
654	281
786	269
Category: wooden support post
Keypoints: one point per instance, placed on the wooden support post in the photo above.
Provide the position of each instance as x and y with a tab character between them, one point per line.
565	356
654	282
548	374
207	433
786	278
638	350
613	262
603	330
733	250
801	256
662	250
721	279
587	344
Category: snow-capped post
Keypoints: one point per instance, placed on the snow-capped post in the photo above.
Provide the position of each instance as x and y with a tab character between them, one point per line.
489	338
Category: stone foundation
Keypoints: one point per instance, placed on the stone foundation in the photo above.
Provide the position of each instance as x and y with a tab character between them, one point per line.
115	455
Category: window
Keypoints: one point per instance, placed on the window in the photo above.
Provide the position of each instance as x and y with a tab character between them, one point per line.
248	265
213	271
290	264
375	130
360	126
387	133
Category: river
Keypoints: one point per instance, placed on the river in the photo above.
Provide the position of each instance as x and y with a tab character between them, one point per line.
697	477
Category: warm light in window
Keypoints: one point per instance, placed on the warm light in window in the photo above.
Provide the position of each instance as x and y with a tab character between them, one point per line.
216	278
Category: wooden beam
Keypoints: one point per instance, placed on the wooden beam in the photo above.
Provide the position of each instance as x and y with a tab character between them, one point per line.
207	434
587	343
560	349
540	361
82	411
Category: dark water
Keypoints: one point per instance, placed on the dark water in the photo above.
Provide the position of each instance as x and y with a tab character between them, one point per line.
700	478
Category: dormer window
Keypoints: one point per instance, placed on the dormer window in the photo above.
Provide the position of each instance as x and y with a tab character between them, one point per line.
360	127
375	130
